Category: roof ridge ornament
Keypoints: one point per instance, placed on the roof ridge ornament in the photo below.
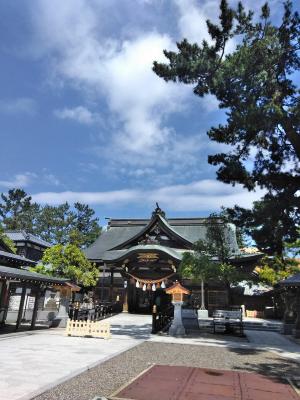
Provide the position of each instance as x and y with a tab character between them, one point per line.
158	211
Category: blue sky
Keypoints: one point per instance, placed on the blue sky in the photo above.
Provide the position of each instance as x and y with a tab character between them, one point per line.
83	117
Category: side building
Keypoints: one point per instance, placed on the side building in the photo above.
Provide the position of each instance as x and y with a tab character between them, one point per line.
139	258
28	245
21	290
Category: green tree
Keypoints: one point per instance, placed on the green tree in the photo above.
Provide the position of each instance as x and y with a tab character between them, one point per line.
197	266
55	223
228	216
85	227
273	224
17	212
255	85
294	247
6	240
63	224
210	259
273	270
68	261
218	245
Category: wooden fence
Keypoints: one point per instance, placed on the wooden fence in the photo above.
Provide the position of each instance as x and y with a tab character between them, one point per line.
100	329
97	313
162	320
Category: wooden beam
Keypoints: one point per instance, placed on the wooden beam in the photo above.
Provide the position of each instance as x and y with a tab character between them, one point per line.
111	285
20	313
35	308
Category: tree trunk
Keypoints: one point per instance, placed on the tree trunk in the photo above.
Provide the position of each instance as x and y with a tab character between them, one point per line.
202	296
292	135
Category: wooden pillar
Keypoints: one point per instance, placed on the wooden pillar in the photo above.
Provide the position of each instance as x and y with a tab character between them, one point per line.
102	283
20	313
125	301
3	302
35	308
111	285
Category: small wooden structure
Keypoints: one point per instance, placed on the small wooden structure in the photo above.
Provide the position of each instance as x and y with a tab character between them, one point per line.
88	328
177	291
67	289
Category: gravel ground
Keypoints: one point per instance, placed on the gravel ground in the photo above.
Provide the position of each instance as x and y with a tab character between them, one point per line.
112	374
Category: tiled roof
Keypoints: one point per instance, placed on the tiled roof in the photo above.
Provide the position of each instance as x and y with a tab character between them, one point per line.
16	258
20	236
24	275
121	232
293	280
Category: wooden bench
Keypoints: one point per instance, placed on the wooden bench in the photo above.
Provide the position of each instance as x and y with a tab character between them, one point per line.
228	320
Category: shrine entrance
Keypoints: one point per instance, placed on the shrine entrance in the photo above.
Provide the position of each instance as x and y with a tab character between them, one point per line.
146	275
142	302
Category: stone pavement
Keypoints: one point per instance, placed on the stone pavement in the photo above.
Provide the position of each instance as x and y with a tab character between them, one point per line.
260	340
35	361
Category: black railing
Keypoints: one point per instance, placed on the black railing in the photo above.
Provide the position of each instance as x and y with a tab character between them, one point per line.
161	320
97	313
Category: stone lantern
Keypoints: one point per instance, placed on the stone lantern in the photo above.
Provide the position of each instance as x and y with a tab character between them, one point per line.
177	291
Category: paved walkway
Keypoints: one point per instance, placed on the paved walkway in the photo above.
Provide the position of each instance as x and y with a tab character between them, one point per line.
260	340
35	361
182	383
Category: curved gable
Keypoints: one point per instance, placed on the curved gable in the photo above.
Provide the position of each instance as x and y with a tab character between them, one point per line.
155	229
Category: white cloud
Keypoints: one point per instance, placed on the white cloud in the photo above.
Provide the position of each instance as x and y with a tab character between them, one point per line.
209	103
192	20
21	105
51	179
25	179
120	70
139	98
204	195
18	180
193	16
80	114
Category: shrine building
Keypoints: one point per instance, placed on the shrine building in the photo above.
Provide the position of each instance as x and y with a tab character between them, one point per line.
20	289
139	259
28	245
